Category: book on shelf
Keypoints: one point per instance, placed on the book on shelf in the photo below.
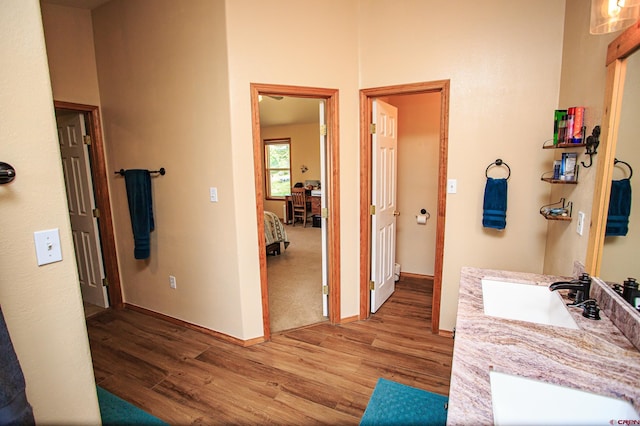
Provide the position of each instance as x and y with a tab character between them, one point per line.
559	126
568	126
577	135
568	166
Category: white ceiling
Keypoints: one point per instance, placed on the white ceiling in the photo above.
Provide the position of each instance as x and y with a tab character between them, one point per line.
288	110
82	4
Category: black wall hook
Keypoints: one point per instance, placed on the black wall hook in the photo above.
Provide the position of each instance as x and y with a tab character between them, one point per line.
592	143
7	173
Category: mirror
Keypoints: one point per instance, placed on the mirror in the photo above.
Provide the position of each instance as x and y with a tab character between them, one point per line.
612	258
619	253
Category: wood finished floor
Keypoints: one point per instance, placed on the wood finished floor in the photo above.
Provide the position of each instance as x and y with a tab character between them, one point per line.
322	374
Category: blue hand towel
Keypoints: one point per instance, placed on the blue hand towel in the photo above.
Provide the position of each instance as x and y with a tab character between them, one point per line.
138	183
495	204
619	208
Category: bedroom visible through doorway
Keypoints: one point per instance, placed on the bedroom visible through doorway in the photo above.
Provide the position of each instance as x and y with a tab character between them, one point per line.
295	146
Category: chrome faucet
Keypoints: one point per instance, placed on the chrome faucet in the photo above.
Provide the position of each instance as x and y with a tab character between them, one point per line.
581	287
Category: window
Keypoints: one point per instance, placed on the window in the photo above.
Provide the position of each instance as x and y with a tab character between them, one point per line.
277	166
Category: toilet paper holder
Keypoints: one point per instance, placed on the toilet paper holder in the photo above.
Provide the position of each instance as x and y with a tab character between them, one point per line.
423	217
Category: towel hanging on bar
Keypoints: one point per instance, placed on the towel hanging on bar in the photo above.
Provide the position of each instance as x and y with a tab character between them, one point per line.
138	183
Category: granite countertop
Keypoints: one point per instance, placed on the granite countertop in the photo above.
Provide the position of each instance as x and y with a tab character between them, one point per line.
597	358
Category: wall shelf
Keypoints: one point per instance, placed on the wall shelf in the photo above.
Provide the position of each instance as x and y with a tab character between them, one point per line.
561	210
564	146
554	181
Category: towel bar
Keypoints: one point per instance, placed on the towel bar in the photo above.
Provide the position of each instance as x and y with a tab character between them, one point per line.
162	171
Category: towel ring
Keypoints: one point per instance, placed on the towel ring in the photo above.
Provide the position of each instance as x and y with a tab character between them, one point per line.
498	162
616	161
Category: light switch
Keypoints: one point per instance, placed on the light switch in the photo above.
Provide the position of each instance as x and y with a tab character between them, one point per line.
213	194
47	246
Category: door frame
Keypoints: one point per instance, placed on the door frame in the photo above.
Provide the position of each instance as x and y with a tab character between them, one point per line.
333	183
366	99
99	175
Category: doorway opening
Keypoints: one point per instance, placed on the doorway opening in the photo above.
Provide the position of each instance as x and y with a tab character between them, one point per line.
328	218
100	192
367	97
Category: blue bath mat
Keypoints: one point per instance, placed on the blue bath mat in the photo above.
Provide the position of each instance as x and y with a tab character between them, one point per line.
395	404
117	411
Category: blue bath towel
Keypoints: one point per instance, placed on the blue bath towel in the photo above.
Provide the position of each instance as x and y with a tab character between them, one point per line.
494	214
619	208
138	183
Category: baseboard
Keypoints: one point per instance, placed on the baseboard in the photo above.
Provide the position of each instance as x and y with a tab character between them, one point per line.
412	275
349	319
204	330
445	333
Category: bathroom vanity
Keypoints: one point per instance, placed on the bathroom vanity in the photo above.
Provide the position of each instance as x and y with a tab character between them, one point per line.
547	370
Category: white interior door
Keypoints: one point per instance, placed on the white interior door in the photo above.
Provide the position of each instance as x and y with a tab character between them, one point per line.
383	197
84	226
323	231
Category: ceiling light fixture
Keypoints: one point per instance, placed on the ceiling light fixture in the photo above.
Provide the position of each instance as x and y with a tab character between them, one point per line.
608	16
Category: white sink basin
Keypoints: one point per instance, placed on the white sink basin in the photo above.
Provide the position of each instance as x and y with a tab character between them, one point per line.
521	401
525	302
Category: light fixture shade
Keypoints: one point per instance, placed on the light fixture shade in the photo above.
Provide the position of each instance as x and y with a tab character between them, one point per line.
608	16
628	3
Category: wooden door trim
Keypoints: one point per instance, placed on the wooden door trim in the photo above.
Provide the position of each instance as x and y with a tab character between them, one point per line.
333	200
99	175
366	99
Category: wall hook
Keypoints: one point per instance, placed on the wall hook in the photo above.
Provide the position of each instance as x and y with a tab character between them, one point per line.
592	146
7	173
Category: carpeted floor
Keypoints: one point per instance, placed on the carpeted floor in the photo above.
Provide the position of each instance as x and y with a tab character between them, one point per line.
396	404
295	280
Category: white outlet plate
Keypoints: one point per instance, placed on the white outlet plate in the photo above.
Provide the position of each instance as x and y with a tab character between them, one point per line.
580	225
452	186
47	246
213	194
172	281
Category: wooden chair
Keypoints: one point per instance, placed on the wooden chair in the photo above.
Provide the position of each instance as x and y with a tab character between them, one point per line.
300	206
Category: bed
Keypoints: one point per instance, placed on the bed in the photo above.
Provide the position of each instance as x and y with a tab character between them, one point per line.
274	233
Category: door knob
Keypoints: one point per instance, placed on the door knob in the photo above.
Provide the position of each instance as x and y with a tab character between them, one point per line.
396	213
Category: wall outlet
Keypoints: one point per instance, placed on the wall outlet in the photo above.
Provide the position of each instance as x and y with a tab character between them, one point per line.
580	225
452	186
213	194
172	281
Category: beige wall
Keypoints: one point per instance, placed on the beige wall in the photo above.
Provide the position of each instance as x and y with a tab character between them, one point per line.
269	42
503	60
582	84
418	147
164	90
71	55
42	305
305	149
